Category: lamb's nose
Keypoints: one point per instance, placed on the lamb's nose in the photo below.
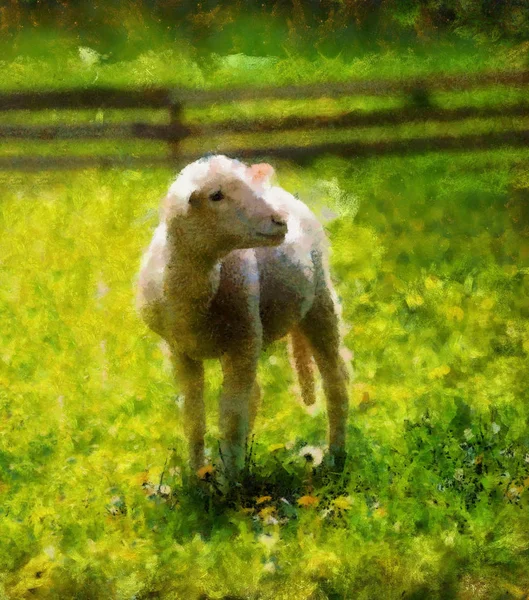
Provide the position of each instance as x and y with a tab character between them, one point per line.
279	219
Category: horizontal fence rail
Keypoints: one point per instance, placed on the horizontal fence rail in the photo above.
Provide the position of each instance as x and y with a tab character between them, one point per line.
360	119
419	107
119	131
160	97
474	142
86	99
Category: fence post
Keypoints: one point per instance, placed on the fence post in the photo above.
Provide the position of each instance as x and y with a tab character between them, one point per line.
175	122
420	97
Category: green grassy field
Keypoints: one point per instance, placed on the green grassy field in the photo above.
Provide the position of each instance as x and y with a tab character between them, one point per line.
431	261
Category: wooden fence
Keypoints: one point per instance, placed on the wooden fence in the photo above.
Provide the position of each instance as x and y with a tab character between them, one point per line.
418	107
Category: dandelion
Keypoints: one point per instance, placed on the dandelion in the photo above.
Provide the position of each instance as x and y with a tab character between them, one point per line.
89	56
263	499
431	282
267	512
414	300
269	567
455	313
343	503
308	501
439	372
164	490
267	540
102	289
312	454
267	515
206	472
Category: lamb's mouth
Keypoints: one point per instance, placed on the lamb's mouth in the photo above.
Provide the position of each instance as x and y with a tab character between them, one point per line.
274	237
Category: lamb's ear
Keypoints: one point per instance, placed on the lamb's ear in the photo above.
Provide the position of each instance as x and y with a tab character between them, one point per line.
261	173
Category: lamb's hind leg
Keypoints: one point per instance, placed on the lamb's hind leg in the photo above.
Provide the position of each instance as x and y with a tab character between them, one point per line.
255	403
302	361
321	327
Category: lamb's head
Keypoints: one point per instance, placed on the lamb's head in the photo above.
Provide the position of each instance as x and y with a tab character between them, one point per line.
220	202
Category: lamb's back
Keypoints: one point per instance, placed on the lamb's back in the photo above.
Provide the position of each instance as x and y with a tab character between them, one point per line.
288	273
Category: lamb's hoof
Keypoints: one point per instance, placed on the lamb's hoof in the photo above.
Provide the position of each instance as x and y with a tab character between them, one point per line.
335	460
206	473
229	487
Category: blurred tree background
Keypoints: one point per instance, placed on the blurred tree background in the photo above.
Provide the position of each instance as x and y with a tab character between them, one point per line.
261	28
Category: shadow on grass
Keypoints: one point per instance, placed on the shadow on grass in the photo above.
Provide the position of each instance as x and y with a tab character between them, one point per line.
274	487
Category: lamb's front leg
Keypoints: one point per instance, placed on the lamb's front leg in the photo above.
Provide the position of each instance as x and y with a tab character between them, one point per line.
239	368
190	376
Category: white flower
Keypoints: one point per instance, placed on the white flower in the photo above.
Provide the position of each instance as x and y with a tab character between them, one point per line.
268	541
89	56
102	289
164	490
269	567
495	428
514	492
312	454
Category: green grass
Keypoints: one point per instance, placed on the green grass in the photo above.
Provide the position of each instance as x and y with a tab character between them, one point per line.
431	261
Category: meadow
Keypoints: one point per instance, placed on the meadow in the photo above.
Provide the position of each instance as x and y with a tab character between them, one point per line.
430	257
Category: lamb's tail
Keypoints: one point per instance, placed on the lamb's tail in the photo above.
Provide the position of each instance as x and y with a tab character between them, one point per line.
303	362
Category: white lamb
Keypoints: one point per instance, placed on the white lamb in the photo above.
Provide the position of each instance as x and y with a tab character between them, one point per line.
235	264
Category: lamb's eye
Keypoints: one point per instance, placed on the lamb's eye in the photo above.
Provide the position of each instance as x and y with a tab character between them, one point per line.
216	196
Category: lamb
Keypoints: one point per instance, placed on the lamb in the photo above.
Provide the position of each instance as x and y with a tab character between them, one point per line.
235	264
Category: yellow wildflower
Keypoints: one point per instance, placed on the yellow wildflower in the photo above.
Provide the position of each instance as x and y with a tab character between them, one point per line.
308	501
267	512
439	372
414	300
343	503
456	313
206	471
263	499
